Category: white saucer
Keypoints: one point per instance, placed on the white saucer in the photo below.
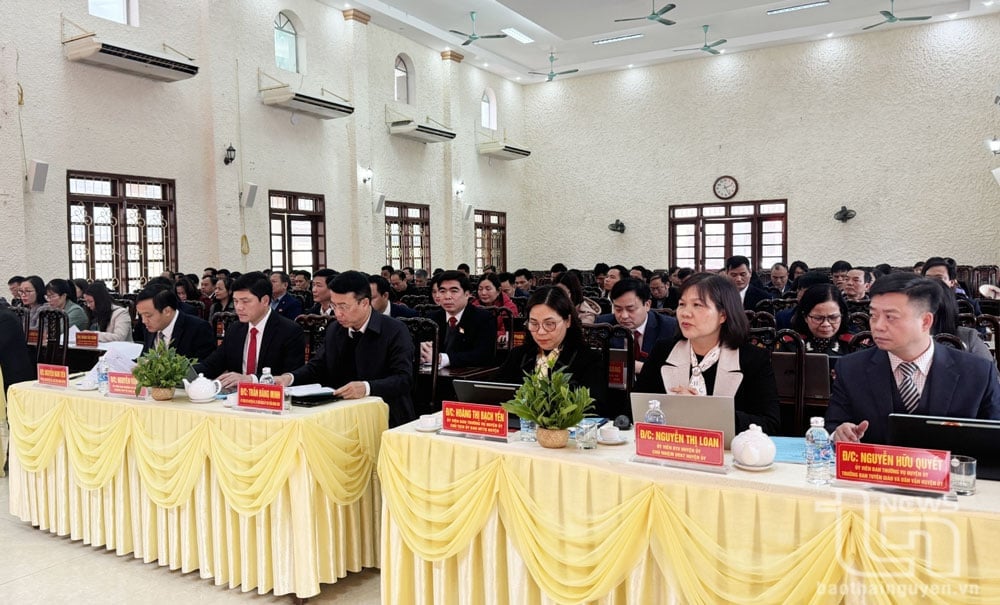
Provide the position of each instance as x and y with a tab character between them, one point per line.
85	386
621	441
753	469
429	429
209	400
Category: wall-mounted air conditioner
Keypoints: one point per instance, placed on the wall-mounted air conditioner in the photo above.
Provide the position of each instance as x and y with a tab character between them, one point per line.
404	126
148	64
502	150
283	96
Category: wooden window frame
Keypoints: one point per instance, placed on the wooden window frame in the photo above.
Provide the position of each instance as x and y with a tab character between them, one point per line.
700	219
293	209
406	257
484	247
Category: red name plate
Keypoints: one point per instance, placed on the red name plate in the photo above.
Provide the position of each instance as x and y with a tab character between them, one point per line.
86	339
33	336
518	338
680	444
124	383
270	397
616	374
474	419
53	376
904	467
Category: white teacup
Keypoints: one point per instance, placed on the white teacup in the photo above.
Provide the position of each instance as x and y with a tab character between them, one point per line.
428	421
610	432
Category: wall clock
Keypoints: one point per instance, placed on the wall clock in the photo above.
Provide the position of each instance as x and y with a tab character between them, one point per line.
725	187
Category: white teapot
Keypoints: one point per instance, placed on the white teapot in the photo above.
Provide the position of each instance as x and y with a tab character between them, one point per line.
202	388
753	447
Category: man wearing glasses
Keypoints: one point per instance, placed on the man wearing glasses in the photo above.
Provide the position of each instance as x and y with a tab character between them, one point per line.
364	353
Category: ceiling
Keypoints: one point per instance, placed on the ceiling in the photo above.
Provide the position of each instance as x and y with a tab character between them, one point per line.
569	27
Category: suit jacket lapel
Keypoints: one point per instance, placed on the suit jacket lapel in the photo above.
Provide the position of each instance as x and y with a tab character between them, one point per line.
677	370
270	333
881	383
728	376
941	394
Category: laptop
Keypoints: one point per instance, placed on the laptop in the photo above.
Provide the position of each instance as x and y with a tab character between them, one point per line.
966	436
817	384
488	393
715	413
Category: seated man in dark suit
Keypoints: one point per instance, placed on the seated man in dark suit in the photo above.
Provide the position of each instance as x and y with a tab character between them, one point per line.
907	373
281	301
381	291
364	352
400	287
321	292
262	338
739	272
780	285
15	362
630	304
662	294
468	333
158	308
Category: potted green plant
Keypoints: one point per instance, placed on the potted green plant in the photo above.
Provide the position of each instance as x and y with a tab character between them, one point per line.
548	399
161	369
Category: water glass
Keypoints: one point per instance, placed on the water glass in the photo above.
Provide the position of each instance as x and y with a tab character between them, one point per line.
527	430
963	475
586	434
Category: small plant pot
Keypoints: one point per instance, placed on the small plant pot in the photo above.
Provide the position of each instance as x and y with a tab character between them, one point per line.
162	393
552	438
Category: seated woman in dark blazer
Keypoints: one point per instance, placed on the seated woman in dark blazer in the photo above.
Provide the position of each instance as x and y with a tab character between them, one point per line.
821	318
554	330
711	357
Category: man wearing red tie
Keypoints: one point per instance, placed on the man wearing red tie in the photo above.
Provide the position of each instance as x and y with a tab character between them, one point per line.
262	339
630	299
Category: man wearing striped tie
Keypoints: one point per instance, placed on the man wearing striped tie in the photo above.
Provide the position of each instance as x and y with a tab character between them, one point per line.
907	372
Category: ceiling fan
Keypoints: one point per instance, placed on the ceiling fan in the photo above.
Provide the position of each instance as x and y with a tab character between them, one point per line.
552	72
709	48
474	36
655	15
890	16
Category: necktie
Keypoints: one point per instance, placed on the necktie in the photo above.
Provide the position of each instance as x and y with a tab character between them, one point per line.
160	337
252	352
452	322
907	387
637	339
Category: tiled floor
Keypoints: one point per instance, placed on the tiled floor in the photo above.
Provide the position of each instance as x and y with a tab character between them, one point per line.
39	567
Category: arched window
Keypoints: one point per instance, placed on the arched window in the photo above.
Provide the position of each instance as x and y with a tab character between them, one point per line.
404	80
286	54
488	109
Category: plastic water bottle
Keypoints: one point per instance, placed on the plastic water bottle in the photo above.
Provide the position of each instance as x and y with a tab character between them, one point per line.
528	430
819	453
102	377
266	377
654	415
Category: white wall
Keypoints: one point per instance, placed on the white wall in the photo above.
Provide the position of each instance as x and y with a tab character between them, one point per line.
891	124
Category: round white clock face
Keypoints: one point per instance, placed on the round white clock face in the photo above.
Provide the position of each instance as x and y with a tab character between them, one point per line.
725	187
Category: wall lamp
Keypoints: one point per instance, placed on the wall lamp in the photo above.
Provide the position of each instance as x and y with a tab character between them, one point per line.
366	175
230	155
994	146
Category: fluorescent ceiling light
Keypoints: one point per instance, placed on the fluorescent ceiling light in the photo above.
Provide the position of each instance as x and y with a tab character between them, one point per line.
513	33
798	7
618	39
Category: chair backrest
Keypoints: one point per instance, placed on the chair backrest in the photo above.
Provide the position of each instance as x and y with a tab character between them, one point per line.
863	306
859	322
665	311
412	300
765	338
424	330
315	328
53	336
604	304
426	309
761	319
950	340
197	305
24	315
620	376
989	330
521	302
964	306
220	323
861	340
505	320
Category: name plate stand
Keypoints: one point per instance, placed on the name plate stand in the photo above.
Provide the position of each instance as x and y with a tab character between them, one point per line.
474	420
123	384
53	376
256	397
680	447
86	339
886	466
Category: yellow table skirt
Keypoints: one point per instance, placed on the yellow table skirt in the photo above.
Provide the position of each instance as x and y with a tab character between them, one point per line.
466	521
270	502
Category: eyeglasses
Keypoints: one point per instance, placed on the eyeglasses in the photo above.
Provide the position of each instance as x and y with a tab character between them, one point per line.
550	325
821	319
51	295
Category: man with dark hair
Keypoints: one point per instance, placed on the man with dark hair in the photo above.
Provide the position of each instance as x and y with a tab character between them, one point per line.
420	278
14	285
468	333
158	308
364	353
380	293
464	268
223	273
399	287
600	272
507	285
662	294
300	280
408	271
209	271
856	284
489	269
838	272
937	267
640	272
387	270
783	318
918	267
630	309
556	270
281	301
779	280
321	292
262	338
615	274
906	372
15	363
524	280
678	278
739	272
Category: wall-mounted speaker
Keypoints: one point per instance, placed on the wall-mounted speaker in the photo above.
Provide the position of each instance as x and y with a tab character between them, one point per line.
37	172
380	203
468	211
250	194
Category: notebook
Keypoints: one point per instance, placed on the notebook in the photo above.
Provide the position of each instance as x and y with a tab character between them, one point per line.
715	412
966	436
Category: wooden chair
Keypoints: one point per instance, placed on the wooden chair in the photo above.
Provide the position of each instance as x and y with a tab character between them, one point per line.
220	322
427	309
24	315
765	338
620	377
967	320
503	317
983	274
859	322
950	340
315	328
53	336
859	306
412	300
861	340
989	329
521	302
665	311
990	306
760	319
965	306
424	330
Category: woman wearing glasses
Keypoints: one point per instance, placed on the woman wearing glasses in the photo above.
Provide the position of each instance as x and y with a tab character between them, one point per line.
32	295
711	356
59	294
821	319
554	332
